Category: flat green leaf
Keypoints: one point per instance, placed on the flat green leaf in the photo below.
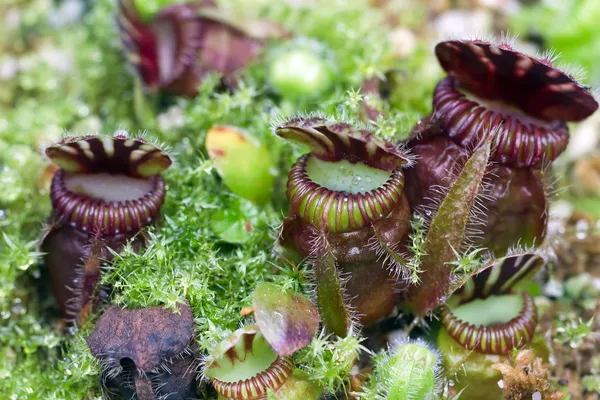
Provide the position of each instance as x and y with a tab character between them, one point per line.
244	164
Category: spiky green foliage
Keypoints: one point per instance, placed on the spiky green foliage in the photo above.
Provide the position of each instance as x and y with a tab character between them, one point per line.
591	383
329	362
573	332
415	247
468	261
408	370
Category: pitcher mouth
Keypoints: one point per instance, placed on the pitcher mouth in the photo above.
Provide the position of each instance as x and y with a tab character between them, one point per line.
246	367
523	102
109	217
341	210
256	387
531	84
107	185
350	178
466	324
161	50
519	140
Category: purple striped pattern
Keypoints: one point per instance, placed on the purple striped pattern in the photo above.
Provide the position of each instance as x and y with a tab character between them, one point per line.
112	154
335	141
499	276
532	85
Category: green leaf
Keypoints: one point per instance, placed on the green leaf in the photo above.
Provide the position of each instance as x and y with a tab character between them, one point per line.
330	295
244	163
446	233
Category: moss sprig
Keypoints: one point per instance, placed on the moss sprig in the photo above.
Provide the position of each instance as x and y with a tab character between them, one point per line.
329	361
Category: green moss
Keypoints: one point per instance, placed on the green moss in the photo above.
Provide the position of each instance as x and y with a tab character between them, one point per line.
329	363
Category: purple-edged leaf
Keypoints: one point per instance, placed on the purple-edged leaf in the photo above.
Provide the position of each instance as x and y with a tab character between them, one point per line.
498	276
446	234
287	320
334	141
226	49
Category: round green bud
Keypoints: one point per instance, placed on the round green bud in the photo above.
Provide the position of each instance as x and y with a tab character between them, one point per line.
300	72
410	373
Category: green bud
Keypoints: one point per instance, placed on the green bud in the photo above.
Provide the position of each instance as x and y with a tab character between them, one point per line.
409	373
300	72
